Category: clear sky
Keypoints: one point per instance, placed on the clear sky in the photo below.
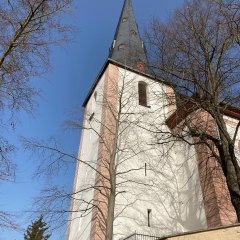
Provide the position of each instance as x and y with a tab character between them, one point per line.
75	67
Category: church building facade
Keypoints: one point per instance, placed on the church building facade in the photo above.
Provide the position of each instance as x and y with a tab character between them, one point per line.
123	175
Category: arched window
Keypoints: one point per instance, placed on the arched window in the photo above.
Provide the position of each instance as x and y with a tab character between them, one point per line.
142	94
121	46
124	19
95	96
149	213
133	33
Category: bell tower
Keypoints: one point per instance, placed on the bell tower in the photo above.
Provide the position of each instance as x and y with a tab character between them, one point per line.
127	47
121	183
90	203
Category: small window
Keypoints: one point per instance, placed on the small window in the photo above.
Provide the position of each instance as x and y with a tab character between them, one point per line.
95	96
91	117
114	42
142	94
133	32
145	168
124	19
149	217
121	46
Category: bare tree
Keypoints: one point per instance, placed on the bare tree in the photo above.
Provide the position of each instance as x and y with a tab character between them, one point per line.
197	54
230	12
6	221
126	174
197	51
27	29
105	176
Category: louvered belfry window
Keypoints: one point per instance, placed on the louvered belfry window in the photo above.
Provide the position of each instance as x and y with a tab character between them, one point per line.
142	93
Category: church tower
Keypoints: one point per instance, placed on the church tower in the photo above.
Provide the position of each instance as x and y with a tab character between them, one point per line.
115	178
127	47
124	181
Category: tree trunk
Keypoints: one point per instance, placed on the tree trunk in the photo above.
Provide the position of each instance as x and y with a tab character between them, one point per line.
231	171
233	184
110	216
112	196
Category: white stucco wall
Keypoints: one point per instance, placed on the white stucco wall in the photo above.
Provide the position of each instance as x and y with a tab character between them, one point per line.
80	225
171	188
231	124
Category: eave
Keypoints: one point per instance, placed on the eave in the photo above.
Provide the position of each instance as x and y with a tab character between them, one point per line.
103	69
180	114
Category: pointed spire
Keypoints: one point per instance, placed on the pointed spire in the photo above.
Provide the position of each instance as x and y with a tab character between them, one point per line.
127	47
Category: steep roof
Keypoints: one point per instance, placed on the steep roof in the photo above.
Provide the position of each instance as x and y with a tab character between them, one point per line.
127	47
190	106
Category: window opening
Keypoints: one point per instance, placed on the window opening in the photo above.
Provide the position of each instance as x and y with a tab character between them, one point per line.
145	168
133	32
124	19
149	213
121	46
142	93
114	42
95	96
91	117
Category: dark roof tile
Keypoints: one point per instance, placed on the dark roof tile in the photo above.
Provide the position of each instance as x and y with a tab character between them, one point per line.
127	47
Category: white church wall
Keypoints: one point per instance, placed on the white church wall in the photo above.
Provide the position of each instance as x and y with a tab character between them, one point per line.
80	226
158	186
231	124
171	188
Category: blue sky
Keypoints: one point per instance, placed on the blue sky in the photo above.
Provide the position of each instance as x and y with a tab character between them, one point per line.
74	68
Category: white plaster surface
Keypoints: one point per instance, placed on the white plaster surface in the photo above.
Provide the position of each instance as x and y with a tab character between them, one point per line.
231	124
80	225
170	184
171	188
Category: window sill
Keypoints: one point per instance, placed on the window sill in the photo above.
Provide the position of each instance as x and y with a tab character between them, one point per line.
145	106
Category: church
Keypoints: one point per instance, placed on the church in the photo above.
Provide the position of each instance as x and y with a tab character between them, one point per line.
126	183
